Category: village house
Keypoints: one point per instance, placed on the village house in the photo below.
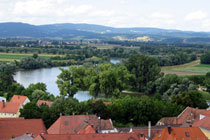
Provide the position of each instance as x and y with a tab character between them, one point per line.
181	133
23	100
204	125
12	109
187	117
40	102
15	127
9	109
81	124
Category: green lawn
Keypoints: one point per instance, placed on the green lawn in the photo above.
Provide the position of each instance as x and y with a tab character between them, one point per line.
203	66
18	56
196	69
192	68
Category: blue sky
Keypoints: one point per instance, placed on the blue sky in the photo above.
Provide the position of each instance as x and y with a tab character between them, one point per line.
180	14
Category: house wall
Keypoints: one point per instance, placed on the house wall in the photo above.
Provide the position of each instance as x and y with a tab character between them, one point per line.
206	132
26	101
108	131
9	115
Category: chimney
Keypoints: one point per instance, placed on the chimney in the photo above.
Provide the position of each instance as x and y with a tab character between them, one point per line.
99	118
169	130
18	96
149	129
3	103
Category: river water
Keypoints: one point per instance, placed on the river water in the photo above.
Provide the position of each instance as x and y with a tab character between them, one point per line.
49	77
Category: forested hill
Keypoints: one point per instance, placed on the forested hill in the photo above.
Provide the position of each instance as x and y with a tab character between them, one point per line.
91	31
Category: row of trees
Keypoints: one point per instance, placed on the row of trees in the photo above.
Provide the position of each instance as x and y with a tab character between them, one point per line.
176	59
205	58
124	111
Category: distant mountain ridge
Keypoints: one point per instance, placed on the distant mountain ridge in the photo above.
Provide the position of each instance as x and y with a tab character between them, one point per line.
91	31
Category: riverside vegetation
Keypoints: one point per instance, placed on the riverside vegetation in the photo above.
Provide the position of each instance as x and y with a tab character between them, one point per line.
161	95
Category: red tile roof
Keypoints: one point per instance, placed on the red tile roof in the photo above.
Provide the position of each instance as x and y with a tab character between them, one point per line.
181	133
9	107
97	136
167	121
73	124
18	99
188	116
154	132
105	103
206	113
87	130
18	127
203	123
40	102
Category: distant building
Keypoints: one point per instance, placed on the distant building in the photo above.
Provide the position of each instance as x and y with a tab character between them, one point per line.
12	109
12	128
9	109
181	133
187	117
204	125
81	124
40	102
23	100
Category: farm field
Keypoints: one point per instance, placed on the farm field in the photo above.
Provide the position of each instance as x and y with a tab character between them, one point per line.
192	68
8	57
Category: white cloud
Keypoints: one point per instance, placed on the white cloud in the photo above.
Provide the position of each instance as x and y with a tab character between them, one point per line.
161	15
32	8
205	25
102	13
197	15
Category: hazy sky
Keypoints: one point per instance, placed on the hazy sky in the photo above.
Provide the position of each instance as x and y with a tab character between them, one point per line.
169	14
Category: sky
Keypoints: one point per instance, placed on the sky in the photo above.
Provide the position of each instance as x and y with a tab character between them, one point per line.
193	15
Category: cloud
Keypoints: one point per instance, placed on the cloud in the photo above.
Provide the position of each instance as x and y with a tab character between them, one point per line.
161	15
205	25
49	8
197	15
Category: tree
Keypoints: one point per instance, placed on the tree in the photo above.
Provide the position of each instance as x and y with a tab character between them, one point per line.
40	95
38	86
205	58
144	68
6	76
35	56
191	98
68	81
108	80
207	81
30	110
185	85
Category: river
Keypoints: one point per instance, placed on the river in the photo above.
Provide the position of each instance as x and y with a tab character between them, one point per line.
49	77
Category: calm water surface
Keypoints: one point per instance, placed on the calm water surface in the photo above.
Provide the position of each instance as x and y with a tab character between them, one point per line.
49	77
